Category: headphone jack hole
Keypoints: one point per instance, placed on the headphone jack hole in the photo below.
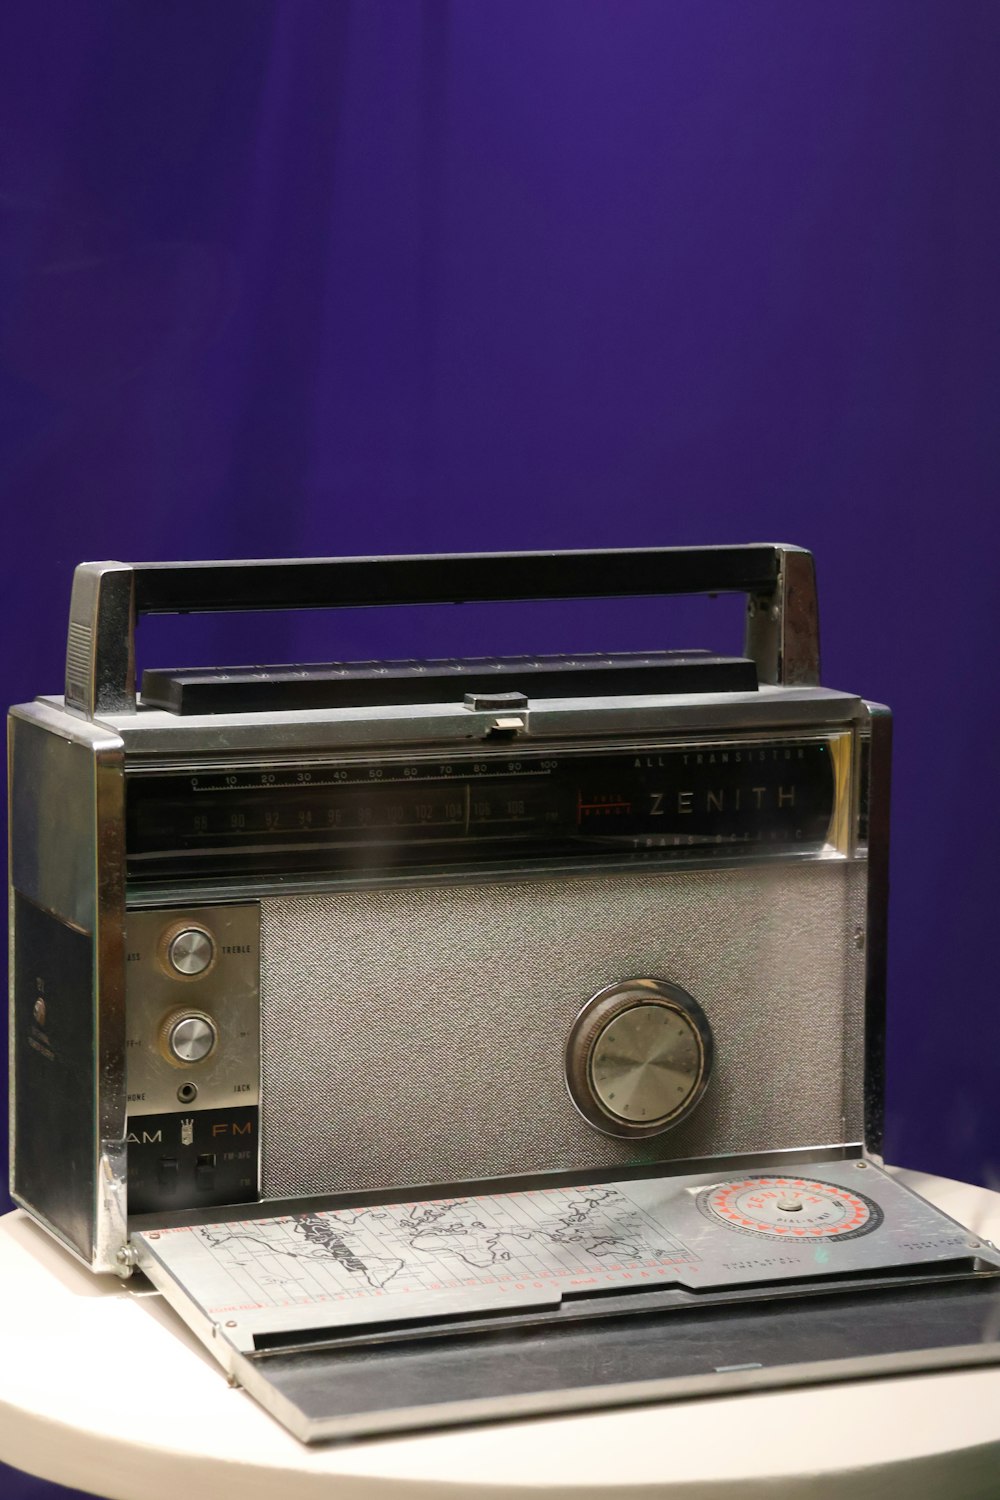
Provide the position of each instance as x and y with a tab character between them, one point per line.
187	1093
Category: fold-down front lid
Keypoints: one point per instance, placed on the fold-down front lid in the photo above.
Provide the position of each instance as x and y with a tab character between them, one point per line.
353	1321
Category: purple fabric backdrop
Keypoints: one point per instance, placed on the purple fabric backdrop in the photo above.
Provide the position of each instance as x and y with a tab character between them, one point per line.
321	278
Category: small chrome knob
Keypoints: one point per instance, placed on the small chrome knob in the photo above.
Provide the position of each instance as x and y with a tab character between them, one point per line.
190	1039
191	951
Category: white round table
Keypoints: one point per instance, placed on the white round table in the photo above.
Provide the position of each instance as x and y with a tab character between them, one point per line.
102	1388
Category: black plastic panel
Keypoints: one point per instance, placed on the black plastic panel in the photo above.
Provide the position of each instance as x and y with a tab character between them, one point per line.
195	1160
327	583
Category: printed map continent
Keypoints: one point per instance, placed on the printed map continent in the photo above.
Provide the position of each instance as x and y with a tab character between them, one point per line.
572	1231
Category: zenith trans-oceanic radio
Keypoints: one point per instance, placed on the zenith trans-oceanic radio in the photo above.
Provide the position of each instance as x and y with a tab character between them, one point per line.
461	1038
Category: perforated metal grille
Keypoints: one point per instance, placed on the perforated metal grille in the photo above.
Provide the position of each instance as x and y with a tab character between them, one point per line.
415	1034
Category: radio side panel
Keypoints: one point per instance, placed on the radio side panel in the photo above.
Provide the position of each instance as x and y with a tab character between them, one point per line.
67	979
875	791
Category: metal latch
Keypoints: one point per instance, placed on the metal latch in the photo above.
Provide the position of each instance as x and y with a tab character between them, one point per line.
509	722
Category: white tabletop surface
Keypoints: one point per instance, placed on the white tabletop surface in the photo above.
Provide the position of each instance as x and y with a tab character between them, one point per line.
102	1388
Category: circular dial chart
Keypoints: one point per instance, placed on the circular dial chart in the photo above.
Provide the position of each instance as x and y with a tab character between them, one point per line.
790	1208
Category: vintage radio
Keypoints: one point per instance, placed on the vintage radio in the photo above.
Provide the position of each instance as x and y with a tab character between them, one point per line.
375	1008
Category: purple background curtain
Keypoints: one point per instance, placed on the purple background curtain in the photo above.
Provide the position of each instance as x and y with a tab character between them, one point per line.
328	277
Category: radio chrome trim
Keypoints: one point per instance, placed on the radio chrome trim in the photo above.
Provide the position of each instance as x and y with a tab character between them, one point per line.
205	893
592	742
156	732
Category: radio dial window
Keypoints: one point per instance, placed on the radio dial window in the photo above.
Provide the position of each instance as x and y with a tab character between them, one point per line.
742	798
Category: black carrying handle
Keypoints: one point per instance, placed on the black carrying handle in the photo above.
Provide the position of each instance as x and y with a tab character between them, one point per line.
108	597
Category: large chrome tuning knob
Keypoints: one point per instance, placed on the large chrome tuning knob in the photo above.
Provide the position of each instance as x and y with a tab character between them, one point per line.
638	1058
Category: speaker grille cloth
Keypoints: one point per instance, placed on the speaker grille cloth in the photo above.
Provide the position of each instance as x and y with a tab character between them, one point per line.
415	1034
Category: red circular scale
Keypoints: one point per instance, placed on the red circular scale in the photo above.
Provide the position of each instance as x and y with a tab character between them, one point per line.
789	1208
